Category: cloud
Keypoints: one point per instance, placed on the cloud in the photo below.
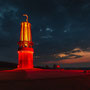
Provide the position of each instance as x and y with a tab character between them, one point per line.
8	26
7	17
76	55
8	10
46	33
46	37
49	29
64	24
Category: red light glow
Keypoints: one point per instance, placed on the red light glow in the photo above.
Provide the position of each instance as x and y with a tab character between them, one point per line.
58	66
25	59
25	50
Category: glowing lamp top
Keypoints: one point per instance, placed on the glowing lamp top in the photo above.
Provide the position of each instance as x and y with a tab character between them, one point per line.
25	34
26	17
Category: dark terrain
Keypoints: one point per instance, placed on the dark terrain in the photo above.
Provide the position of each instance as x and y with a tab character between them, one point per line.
78	82
71	83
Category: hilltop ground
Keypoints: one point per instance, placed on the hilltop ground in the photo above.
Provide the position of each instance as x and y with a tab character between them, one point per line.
39	79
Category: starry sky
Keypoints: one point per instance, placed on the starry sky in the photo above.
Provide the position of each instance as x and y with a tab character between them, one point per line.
60	31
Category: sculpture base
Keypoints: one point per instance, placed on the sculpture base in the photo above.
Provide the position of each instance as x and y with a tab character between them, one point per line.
25	58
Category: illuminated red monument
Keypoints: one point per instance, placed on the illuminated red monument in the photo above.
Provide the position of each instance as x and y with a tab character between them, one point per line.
25	50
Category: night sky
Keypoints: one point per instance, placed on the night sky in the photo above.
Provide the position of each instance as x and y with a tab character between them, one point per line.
60	31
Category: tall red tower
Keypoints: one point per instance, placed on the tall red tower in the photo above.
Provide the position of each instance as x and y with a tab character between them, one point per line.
25	50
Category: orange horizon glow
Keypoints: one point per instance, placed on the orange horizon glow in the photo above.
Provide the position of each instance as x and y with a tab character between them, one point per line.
85	57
